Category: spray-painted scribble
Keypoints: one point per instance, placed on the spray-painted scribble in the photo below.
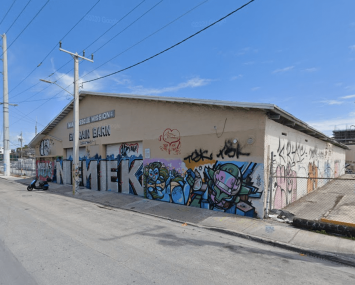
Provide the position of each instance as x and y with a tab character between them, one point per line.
231	150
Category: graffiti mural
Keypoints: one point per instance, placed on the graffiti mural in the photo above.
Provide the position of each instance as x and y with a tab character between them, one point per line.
224	186
298	169
45	147
44	169
312	181
171	141
286	186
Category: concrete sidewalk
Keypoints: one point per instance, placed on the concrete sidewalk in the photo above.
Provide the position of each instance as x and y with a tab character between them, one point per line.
265	231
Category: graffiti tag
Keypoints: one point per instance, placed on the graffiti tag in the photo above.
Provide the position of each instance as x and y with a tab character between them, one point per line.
196	156
231	150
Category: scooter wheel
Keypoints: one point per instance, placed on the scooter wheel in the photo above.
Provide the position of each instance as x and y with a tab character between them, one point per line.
29	188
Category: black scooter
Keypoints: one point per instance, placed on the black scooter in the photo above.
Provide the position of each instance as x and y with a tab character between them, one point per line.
42	185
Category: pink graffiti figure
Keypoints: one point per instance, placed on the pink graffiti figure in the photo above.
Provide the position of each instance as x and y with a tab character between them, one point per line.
286	186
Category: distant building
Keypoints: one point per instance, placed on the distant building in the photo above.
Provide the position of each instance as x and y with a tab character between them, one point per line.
347	137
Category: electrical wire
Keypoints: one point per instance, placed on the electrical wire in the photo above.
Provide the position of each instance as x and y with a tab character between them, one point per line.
51	98
7	12
47	100
193	35
147	37
115	24
39	82
40	10
56	45
18	16
145	13
86	47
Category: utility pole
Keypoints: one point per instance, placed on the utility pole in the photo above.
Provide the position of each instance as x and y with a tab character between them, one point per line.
6	109
36	128
75	166
21	139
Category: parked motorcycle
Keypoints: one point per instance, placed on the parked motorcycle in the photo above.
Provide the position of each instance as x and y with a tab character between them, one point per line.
42	185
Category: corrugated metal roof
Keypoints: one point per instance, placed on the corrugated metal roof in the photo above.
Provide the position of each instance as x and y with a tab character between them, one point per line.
273	112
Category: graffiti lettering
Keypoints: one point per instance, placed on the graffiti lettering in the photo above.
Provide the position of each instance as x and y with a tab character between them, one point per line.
196	156
127	149
231	150
44	169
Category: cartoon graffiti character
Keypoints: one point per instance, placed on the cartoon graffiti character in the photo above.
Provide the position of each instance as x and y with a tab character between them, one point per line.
157	181
227	188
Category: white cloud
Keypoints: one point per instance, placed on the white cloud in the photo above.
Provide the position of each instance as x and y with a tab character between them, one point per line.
239	76
282	70
348	97
312	69
255	88
352	47
327	126
332	102
191	83
249	63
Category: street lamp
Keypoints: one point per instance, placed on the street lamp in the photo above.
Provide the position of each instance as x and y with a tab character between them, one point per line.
55	83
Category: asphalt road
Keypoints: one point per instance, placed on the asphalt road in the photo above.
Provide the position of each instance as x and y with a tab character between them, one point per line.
51	239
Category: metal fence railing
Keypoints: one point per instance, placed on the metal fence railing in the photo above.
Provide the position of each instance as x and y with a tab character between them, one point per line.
315	198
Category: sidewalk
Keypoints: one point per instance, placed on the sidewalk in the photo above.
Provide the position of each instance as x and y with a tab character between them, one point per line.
265	231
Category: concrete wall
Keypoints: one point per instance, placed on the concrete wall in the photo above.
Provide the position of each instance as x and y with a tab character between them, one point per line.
209	157
295	154
350	154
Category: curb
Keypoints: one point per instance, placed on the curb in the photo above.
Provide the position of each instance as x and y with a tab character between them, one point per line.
326	226
314	253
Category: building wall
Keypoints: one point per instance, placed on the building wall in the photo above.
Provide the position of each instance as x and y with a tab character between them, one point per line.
203	156
303	159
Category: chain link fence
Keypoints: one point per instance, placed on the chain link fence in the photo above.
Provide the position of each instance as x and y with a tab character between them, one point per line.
21	166
324	199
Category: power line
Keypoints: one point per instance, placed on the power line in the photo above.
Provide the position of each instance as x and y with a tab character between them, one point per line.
86	47
118	55
18	16
152	34
51	98
115	24
176	19
38	82
193	35
7	12
27	25
43	88
29	120
54	49
129	25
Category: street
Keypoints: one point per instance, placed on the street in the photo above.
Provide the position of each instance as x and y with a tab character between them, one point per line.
51	239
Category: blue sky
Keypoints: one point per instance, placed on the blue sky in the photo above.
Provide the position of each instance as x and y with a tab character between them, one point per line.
299	55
